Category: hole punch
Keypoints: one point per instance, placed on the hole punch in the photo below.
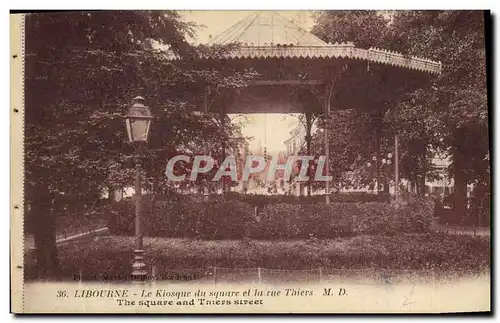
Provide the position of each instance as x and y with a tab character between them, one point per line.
14	56
16	110
16	207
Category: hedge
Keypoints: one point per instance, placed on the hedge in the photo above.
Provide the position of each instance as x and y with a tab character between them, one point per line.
287	221
184	218
261	200
478	217
223	219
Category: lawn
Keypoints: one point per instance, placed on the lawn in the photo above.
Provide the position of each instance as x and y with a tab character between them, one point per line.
444	254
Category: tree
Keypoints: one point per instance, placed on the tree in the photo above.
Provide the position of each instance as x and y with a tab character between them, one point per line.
308	101
365	28
458	97
448	116
81	71
418	130
349	131
72	63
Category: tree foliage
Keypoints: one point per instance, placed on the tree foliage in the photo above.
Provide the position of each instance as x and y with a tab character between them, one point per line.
451	115
458	98
365	28
83	69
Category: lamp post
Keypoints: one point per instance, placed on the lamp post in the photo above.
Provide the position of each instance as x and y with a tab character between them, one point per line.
375	172
137	121
391	159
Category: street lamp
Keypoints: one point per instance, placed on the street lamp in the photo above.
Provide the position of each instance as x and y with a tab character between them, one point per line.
137	121
391	159
374	175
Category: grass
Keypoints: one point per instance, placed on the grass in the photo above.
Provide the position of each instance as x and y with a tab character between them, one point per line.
446	254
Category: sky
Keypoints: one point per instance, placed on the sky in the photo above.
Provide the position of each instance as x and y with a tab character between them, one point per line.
213	22
269	130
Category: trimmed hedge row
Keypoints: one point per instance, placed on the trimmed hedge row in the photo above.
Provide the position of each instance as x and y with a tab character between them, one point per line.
184	219
286	221
261	200
223	219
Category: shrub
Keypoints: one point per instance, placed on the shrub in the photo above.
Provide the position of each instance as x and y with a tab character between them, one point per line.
184	218
225	220
292	221
279	221
478	214
261	200
229	219
418	214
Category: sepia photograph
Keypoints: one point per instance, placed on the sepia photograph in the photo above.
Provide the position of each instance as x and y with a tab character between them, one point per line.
251	161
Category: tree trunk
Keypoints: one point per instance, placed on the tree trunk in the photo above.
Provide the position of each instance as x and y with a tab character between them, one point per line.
386	187
460	196
47	261
421	185
418	164
111	194
460	185
308	138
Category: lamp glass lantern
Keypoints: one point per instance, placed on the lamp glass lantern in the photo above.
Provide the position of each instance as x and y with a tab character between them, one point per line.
137	120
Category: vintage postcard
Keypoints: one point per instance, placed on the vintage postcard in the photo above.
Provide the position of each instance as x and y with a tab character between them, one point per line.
250	162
